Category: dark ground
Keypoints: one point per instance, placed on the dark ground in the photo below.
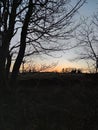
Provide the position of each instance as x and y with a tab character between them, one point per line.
51	101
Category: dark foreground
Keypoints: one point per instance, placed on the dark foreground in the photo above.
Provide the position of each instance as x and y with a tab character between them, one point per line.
51	102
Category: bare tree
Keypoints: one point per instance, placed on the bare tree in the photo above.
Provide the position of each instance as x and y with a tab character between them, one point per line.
7	24
41	67
87	45
36	22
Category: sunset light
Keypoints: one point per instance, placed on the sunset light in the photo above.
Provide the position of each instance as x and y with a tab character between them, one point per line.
48	64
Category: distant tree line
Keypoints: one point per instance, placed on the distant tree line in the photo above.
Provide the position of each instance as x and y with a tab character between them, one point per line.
71	70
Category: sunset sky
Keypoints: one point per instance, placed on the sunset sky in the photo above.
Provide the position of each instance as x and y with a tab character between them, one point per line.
64	59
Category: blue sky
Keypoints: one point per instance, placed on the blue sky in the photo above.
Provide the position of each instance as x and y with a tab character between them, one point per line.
89	8
64	61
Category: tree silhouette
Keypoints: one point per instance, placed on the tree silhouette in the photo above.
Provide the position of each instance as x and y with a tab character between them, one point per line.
36	22
86	38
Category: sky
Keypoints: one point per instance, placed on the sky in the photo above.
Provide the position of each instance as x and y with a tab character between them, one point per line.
64	60
89	8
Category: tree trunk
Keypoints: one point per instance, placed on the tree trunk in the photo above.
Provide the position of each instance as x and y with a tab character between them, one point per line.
7	34
8	65
3	81
17	65
20	56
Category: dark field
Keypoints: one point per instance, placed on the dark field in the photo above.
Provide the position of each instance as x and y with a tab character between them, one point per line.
51	101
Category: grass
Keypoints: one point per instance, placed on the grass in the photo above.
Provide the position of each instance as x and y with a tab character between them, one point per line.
51	101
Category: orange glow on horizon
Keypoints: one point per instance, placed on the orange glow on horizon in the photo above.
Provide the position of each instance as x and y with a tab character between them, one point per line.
58	68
